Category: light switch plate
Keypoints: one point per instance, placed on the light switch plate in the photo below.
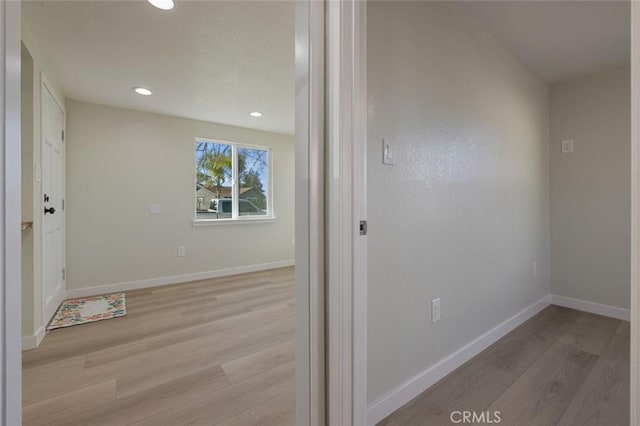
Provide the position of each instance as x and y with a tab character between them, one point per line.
567	146
388	154
435	310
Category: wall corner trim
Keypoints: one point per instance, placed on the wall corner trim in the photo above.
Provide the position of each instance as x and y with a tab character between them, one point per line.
404	393
33	341
175	279
591	307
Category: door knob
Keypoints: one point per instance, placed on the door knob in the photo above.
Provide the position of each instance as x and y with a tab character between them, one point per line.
49	210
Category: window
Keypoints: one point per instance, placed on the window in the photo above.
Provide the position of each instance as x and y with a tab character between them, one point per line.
232	181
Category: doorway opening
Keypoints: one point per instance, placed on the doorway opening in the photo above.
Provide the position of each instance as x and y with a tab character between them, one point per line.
511	143
176	189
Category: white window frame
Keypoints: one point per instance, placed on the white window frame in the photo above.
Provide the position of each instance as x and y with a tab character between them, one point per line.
235	192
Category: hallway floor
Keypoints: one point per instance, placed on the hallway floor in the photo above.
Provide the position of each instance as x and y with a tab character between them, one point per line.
212	352
561	367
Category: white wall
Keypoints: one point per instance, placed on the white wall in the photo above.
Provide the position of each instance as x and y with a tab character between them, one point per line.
590	188
464	212
121	161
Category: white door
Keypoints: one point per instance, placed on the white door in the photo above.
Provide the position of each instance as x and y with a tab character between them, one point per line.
53	244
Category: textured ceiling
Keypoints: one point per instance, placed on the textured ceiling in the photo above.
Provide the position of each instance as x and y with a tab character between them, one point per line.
219	60
558	40
208	60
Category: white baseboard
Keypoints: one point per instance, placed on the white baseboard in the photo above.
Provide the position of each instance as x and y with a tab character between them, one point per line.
174	279
592	307
29	342
406	392
33	341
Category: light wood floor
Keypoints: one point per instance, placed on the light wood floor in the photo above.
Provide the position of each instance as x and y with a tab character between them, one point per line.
214	352
562	367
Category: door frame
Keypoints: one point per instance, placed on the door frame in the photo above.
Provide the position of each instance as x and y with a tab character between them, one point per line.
45	85
346	265
10	186
635	214
309	215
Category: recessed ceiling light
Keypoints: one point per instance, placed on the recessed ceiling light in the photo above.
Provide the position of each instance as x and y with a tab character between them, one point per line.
142	91
162	4
255	114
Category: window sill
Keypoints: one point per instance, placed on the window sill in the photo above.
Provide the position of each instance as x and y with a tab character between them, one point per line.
216	222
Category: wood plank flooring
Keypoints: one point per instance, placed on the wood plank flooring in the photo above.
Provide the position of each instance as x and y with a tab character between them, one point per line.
212	352
562	367
221	352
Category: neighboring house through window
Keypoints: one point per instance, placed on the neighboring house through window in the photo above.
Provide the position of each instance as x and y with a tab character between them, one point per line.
232	181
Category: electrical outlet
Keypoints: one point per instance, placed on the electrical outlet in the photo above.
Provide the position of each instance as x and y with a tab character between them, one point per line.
435	310
534	269
567	146
181	251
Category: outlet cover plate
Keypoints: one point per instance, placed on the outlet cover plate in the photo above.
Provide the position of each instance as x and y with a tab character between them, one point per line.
567	146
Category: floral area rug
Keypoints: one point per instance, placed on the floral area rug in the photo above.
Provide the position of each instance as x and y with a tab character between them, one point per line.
89	309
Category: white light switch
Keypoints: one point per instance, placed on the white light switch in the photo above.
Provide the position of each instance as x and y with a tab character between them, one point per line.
567	146
435	310
154	209
181	252
387	153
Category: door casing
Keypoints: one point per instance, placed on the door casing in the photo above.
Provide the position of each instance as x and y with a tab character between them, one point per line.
635	214
309	215
346	268
10	206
